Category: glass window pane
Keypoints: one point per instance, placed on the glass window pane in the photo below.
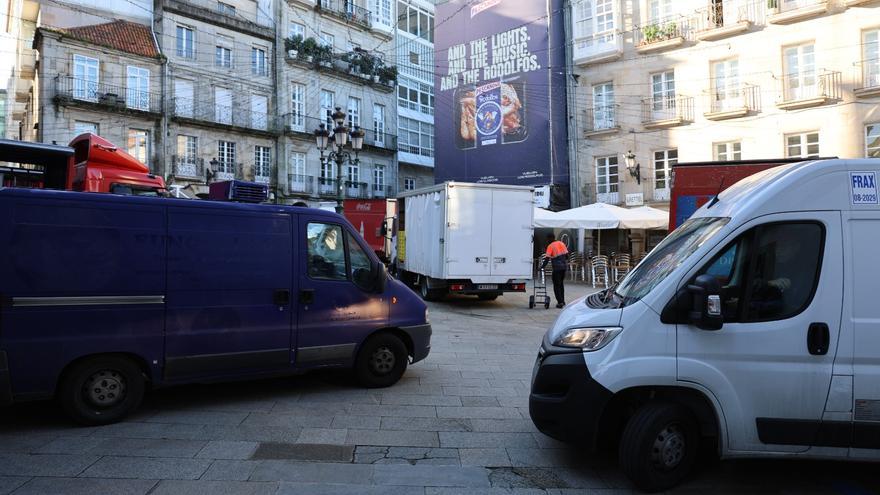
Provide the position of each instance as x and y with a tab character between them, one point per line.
326	251
361	266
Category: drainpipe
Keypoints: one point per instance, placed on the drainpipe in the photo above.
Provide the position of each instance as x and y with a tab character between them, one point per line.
573	131
163	84
278	82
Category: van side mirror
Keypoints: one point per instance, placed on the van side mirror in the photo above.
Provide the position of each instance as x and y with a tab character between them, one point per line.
381	277
705	312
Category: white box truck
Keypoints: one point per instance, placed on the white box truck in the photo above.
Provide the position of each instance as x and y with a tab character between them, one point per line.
466	238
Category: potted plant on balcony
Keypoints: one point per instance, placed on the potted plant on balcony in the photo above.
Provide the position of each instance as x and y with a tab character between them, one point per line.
342	62
293	46
388	75
309	49
324	56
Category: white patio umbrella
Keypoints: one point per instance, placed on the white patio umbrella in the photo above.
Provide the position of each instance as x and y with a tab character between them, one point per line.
645	217
600	216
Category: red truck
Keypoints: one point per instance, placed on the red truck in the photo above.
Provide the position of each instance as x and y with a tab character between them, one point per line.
369	216
89	163
695	183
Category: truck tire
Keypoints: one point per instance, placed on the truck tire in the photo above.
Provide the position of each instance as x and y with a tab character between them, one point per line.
430	294
488	297
381	361
659	446
101	390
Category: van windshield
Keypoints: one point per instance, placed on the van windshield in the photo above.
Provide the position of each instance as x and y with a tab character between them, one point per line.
666	257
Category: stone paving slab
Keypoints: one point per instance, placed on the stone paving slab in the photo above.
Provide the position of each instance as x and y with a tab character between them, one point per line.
312	472
178	487
60	465
228	450
147	468
86	486
8	484
224	470
421	476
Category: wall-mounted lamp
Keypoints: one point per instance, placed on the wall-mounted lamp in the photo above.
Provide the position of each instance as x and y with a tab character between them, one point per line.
633	166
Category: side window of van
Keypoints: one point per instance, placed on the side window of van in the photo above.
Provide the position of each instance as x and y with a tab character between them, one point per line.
326	250
361	267
770	272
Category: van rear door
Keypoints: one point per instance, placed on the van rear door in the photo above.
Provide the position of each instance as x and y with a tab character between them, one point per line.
229	290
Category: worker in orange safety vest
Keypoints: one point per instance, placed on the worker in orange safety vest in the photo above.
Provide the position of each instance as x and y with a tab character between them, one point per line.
557	254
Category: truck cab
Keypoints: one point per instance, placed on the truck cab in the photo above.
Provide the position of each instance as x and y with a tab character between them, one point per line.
751	330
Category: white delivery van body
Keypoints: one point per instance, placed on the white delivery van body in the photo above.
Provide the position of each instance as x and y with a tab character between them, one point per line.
754	328
467	238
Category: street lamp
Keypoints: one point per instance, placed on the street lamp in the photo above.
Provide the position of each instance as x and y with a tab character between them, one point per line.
340	156
632	166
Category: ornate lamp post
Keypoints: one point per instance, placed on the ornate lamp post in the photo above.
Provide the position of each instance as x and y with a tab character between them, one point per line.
339	155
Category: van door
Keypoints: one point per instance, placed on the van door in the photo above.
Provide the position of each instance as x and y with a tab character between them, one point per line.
229	289
512	233
337	308
770	365
469	246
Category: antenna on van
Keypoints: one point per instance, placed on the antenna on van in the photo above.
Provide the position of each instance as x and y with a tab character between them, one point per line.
715	198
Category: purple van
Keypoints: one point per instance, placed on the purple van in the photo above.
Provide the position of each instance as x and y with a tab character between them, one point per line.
102	296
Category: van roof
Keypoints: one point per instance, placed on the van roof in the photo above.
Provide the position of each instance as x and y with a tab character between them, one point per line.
802	186
24	193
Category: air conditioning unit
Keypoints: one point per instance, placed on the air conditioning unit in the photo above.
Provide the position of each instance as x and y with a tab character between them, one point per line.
238	191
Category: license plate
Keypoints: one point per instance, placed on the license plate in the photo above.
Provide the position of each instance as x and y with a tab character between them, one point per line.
487	287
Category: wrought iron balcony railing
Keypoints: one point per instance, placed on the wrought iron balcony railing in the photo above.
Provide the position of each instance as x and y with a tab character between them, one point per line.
112	96
227	115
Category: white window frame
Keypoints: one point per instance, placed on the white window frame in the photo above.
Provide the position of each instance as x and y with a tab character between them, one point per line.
299	181
185	45
803	144
727	151
594	23
378	124
139	145
872	130
226	157
663	95
223	56
327	39
82	126
295	28
222	106
262	164
409	183
259	61
184	104
226	9
871	58
259	112
663	161
298	107
726	90
187	155
659	11
353	112
86	77
607	183
328	101
138	88
800	79
379	181
604	115
381	10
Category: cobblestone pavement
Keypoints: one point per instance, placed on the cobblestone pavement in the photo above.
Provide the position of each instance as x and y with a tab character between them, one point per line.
456	424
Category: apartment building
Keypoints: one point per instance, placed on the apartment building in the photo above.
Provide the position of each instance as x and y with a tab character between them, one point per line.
661	82
338	54
415	93
17	65
103	78
219	91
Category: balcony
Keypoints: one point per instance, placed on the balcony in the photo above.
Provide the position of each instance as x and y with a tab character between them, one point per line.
220	170
264	174
727	18
73	91
345	66
611	198
598	48
379	191
224	116
870	84
188	167
733	102
661	195
788	11
296	124
347	11
326	187
662	35
357	190
807	90
658	113
209	11
301	184
601	120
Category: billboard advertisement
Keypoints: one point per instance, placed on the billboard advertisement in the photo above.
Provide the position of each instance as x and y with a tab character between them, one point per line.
500	92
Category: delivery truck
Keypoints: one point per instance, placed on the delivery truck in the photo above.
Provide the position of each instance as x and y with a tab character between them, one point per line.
462	238
371	218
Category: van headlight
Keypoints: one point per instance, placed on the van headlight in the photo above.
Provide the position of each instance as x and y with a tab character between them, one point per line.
588	339
426	316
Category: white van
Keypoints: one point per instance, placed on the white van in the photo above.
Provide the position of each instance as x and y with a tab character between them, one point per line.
752	330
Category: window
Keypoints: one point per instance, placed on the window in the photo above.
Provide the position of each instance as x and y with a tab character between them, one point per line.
728	151
226	160
603	106
296	29
327	98
85	78
298	165
800	72
379	180
872	141
138	144
222	105
414	58
770	272
326	252
225	8
594	22
262	164
81	127
415	21
183	98
327	39
663	95
663	162
354	173
187	156
415	137
409	183
185	42
378	124
259	112
660	10
381	10
803	145
354	112
298	107
606	174
223	57
726	93
259	64
138	94
361	266
871	56
415	96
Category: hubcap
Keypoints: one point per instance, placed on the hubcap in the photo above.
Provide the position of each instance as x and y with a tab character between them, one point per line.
382	361
105	388
669	447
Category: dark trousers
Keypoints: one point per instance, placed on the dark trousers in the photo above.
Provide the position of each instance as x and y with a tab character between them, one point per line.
558	285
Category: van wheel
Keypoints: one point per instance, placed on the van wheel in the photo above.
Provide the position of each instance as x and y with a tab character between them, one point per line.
381	361
101	390
659	446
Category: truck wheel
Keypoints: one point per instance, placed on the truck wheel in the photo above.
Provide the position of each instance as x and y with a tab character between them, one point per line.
659	446
430	294
488	297
381	361
101	390
531	302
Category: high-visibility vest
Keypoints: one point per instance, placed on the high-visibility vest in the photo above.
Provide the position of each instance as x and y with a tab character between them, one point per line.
556	248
